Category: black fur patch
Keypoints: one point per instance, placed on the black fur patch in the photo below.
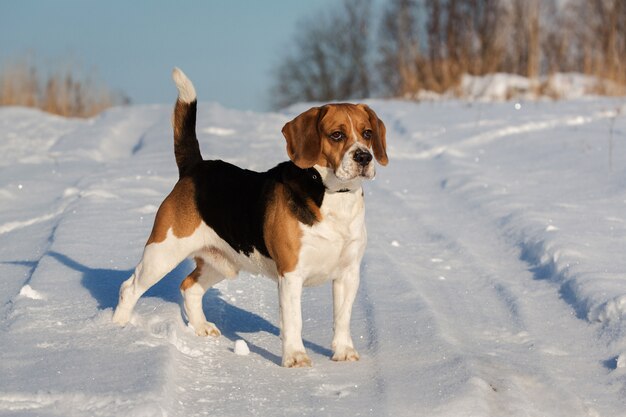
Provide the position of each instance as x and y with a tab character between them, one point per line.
186	147
233	201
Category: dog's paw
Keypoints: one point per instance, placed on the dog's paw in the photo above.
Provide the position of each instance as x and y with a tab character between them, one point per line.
206	329
346	354
121	316
297	360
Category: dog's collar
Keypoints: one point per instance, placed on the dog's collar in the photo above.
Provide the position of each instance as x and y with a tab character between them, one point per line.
341	190
316	176
331	183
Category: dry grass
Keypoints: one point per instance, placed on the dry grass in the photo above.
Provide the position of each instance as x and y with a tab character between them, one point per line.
430	44
63	92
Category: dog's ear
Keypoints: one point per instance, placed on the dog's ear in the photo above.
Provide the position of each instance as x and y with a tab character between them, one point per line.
304	141
379	140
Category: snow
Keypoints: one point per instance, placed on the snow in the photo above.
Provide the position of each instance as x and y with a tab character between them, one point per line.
503	86
493	284
28	292
496	86
241	348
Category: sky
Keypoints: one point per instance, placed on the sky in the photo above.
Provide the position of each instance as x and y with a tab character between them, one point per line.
228	48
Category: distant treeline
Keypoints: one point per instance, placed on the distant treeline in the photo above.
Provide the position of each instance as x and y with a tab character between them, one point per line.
65	92
414	45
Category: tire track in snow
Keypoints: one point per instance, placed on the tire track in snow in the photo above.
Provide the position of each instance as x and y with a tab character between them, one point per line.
216	381
206	377
497	314
20	224
533	126
64	202
459	148
64	403
366	301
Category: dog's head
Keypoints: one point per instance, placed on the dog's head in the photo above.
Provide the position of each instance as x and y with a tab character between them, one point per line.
338	137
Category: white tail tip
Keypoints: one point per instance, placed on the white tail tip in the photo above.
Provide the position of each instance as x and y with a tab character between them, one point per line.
186	90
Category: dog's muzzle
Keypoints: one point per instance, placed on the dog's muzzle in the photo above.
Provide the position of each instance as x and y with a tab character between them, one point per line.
362	157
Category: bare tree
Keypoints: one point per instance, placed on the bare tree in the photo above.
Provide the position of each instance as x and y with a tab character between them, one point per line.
330	58
400	49
524	50
435	71
599	37
609	29
556	42
488	20
430	44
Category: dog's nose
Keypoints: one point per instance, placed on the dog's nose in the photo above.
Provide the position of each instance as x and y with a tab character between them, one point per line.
362	157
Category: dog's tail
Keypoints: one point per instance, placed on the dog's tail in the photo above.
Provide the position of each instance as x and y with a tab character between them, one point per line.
186	147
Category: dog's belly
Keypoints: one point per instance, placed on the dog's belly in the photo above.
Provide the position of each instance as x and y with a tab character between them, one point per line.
256	263
322	257
225	259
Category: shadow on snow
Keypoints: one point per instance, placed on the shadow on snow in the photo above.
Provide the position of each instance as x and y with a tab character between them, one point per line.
104	284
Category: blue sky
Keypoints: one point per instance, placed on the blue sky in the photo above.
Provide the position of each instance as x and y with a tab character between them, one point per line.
228	48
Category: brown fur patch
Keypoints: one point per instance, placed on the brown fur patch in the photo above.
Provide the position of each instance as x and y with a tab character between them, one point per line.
178	212
193	277
317	213
282	232
303	138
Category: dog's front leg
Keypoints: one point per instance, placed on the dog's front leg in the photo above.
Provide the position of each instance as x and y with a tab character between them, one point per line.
290	294
344	293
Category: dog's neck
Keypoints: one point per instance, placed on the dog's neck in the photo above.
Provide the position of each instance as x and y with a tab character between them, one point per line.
334	184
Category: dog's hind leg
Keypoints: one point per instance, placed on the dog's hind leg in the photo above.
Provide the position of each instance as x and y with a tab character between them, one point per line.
193	288
158	259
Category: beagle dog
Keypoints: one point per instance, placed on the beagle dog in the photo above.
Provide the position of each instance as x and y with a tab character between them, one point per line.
300	223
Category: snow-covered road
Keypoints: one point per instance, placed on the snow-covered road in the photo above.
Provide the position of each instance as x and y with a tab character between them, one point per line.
494	282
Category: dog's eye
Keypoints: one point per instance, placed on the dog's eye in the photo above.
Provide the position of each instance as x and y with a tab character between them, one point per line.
367	134
337	136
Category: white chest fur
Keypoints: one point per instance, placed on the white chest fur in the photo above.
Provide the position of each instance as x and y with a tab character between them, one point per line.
336	243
